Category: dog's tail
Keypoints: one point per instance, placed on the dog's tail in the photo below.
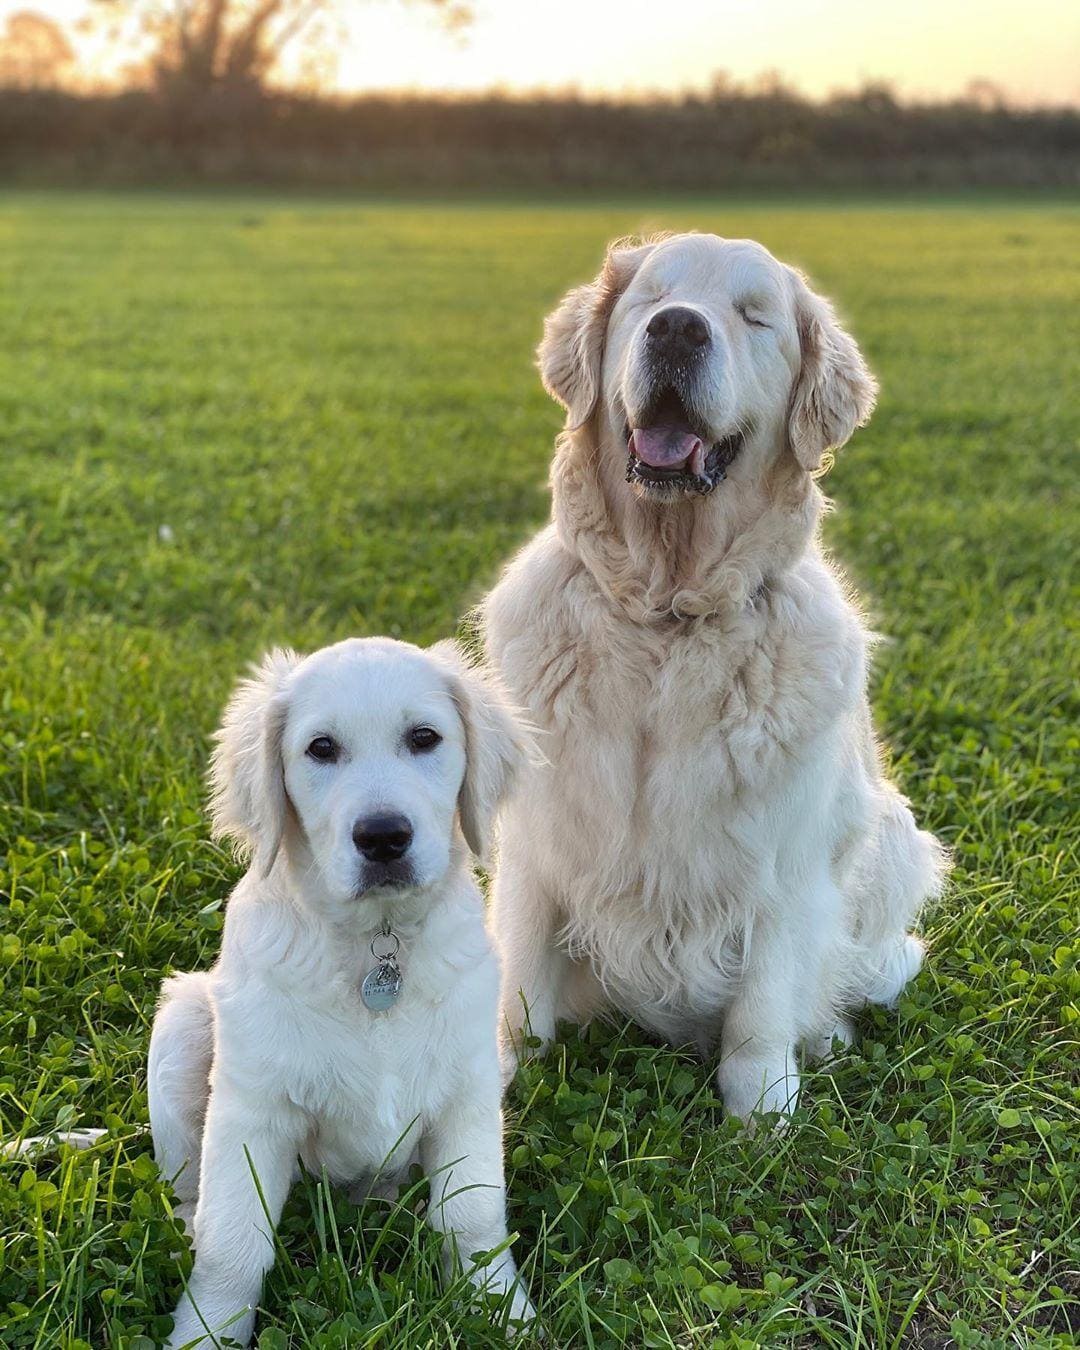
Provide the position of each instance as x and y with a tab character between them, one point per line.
36	1144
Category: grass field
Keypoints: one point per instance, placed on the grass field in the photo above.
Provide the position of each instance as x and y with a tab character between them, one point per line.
231	421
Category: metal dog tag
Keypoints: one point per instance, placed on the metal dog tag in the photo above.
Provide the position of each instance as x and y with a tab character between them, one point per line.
381	988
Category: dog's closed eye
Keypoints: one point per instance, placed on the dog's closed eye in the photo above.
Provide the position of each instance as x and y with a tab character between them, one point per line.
749	311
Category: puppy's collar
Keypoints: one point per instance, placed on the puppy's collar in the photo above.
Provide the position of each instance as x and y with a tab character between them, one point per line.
381	988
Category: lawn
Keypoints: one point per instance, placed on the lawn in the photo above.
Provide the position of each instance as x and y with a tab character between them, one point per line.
230	421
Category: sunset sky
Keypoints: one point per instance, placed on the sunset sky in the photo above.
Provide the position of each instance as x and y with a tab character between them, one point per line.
923	47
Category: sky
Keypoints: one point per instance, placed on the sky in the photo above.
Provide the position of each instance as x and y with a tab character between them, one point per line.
1029	48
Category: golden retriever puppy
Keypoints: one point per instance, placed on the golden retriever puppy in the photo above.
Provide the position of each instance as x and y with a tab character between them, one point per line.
712	846
351	1017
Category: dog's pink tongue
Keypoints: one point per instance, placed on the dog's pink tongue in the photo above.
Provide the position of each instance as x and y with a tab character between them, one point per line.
664	447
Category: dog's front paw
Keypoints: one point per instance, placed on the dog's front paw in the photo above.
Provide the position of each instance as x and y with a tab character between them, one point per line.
522	1314
226	1327
516	1048
521	1311
188	1329
504	1284
753	1085
509	1062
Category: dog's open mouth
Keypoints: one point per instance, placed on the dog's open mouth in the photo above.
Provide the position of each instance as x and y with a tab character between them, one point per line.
671	452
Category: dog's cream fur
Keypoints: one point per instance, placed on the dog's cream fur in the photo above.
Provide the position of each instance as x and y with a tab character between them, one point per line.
271	1055
713	847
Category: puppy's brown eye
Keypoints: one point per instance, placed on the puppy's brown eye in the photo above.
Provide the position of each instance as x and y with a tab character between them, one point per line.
323	749
423	738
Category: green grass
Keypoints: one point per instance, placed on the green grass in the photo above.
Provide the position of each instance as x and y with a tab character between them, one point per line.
234	421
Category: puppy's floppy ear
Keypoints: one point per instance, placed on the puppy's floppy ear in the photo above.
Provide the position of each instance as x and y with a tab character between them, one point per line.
497	744
571	351
834	391
247	778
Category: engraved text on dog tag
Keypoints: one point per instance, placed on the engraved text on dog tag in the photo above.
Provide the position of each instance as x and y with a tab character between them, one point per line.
381	986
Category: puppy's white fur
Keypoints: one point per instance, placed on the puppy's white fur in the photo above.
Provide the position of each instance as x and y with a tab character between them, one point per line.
713	847
271	1055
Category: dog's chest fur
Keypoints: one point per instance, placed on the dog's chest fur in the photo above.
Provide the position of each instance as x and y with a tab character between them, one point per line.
674	760
368	1083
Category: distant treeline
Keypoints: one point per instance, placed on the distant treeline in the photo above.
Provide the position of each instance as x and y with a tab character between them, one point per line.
418	142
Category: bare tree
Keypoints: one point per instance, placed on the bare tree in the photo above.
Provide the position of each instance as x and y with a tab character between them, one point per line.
986	95
200	45
34	53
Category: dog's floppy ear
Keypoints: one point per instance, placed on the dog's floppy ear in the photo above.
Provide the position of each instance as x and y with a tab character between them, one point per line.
247	778
497	744
834	391
572	349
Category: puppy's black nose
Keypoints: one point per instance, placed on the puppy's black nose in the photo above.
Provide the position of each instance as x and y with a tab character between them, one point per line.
382	838
677	333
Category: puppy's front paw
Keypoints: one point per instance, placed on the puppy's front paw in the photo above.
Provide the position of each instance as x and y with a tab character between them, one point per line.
504	1284
522	1315
759	1085
187	1329
227	1326
521	1312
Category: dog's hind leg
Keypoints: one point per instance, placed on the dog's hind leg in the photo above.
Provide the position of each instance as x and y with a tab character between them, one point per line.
890	967
181	1052
905	868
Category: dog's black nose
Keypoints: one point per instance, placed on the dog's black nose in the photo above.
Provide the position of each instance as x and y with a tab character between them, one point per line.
382	838
677	333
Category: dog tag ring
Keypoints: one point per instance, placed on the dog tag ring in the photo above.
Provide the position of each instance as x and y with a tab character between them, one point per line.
381	988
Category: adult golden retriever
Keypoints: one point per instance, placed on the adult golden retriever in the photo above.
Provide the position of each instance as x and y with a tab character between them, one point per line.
712	847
